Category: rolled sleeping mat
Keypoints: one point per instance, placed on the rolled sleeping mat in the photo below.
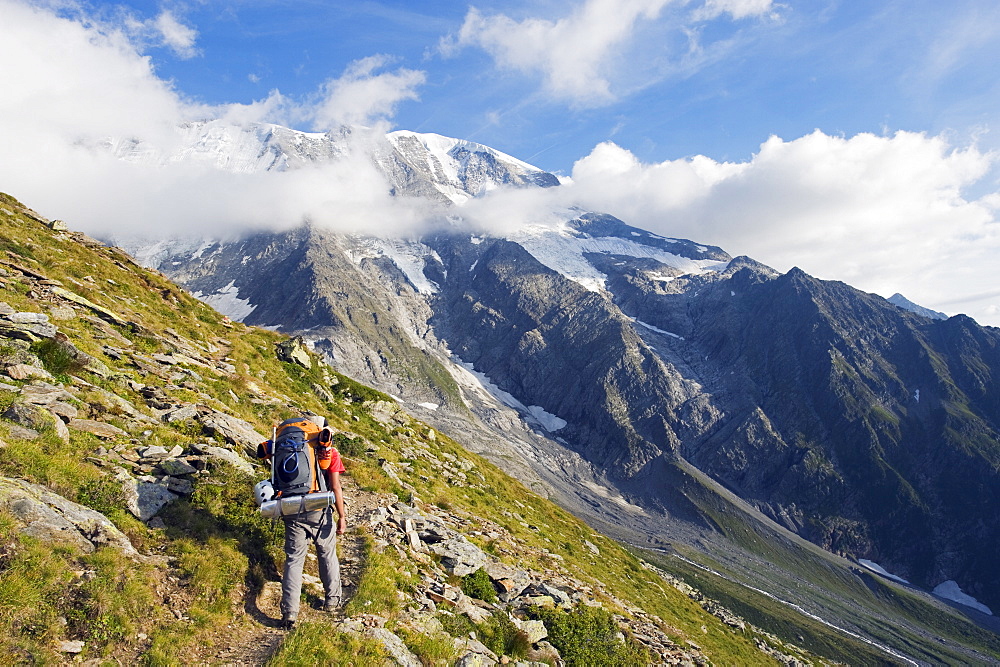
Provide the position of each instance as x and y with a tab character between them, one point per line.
309	502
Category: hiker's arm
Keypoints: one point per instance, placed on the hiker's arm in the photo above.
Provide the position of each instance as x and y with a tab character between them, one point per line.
338	495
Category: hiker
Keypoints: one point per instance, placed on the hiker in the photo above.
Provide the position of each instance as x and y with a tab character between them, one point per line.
304	461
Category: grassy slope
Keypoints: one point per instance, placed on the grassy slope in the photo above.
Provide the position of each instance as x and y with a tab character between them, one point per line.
889	613
215	550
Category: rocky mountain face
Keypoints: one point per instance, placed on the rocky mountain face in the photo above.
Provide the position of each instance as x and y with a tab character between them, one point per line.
865	428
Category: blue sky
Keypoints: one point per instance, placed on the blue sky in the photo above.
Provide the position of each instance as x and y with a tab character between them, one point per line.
857	140
679	86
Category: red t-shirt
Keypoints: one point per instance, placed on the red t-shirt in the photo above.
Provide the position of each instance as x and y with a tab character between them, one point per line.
333	463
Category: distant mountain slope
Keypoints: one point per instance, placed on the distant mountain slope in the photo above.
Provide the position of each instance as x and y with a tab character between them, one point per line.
869	430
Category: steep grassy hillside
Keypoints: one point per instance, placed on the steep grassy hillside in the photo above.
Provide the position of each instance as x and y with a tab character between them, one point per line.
123	395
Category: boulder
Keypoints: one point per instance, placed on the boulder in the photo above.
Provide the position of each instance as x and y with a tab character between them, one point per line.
144	499
295	351
177	467
459	556
44	393
27	372
235	431
534	630
30	416
509	581
48	516
227	456
98	428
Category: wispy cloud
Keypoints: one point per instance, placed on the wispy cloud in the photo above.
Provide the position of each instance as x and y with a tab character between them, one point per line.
584	57
363	95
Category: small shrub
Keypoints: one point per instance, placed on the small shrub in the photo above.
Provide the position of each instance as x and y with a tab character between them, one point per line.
348	446
589	636
57	358
478	585
103	494
456	625
501	636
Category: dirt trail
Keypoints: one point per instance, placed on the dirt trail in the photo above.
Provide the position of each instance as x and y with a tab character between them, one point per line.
258	638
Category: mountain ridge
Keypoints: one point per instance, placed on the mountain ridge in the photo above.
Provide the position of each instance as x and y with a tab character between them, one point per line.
789	388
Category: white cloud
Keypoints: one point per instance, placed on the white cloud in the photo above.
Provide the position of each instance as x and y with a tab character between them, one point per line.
884	214
175	35
70	84
738	9
587	57
572	54
363	97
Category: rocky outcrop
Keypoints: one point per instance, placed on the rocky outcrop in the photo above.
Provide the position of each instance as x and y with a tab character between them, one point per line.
50	517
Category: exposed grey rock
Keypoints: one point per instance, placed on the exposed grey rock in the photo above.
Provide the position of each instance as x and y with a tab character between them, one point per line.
98	428
101	311
474	653
145	499
23	433
153	452
28	318
182	487
70	646
403	656
115	401
49	516
477	613
227	456
459	556
180	414
177	467
29	416
43	393
535	630
64	411
62	313
294	350
26	372
509	581
235	431
28	332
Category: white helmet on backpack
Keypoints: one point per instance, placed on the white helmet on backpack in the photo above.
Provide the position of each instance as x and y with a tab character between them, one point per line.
263	491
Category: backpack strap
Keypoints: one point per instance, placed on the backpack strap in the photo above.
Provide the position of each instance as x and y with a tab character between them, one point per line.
274	439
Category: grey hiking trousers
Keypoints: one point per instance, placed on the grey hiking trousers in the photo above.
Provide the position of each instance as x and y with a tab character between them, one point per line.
320	528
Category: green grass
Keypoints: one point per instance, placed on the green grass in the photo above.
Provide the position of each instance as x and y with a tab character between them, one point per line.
313	643
385	582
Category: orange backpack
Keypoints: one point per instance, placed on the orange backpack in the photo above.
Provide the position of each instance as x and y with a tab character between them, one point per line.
294	463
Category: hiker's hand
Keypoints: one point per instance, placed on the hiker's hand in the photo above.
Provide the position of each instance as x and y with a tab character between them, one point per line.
342	525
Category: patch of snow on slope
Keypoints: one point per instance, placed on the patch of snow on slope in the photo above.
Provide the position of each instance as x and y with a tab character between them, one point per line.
548	420
660	331
227	302
562	250
875	567
408	256
201	249
950	590
535	414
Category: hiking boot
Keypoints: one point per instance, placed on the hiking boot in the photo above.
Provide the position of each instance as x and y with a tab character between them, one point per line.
332	604
288	623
